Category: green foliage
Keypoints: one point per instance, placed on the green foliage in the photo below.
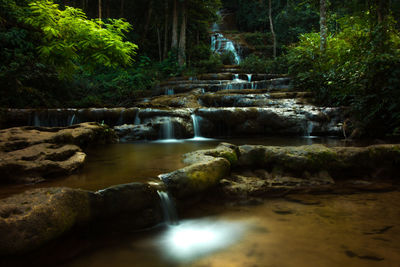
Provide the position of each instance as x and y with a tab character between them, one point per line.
199	52
360	68
212	64
255	64
70	39
228	58
257	38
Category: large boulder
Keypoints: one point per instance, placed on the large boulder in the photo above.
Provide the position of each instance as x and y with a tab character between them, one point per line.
30	154
206	169
31	219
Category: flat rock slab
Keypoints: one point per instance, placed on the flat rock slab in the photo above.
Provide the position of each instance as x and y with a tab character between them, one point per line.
30	154
33	218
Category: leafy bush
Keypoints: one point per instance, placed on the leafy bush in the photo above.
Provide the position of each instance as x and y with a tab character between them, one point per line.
213	64
255	64
228	58
360	68
257	38
70	38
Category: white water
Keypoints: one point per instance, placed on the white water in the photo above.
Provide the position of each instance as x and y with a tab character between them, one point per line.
220	45
137	119
72	120
249	76
168	208
167	131
169	91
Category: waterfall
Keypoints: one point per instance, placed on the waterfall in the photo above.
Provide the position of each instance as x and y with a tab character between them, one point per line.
230	47
72	120
167	129
168	208
309	128
220	45
236	77
196	126
169	91
249	77
137	119
36	120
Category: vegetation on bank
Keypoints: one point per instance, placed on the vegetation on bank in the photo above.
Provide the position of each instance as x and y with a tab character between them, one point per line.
81	54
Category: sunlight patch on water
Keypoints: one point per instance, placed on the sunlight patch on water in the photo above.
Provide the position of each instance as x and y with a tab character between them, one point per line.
192	239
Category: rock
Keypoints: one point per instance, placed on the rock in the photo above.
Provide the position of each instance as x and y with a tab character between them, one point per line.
338	162
31	219
29	154
223	150
196	178
207	168
43	160
131	132
67	117
126	201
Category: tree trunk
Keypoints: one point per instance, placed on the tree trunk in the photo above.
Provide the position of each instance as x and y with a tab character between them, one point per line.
99	9
271	25
322	23
159	44
146	26
166	31
174	43
182	39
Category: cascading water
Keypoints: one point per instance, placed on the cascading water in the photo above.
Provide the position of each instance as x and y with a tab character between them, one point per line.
249	76
221	45
72	120
169	91
36	120
137	119
168	208
196	127
309	127
167	129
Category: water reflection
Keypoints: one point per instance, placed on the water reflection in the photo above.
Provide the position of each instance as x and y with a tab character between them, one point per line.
192	239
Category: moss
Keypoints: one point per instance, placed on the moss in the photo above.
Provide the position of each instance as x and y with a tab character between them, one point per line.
322	160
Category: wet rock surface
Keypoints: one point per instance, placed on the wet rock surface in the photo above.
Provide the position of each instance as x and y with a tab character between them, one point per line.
31	219
206	168
30	154
251	171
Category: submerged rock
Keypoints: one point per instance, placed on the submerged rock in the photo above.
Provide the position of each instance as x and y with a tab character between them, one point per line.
30	154
31	219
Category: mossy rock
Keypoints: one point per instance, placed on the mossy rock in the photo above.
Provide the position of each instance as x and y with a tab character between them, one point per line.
196	178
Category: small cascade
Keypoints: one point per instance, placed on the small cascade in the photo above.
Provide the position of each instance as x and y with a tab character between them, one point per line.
220	45
36	120
196	126
120	120
72	120
249	76
167	129
236	83
309	128
168	208
137	119
169	91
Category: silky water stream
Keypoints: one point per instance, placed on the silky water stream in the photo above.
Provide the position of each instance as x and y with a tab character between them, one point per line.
298	230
